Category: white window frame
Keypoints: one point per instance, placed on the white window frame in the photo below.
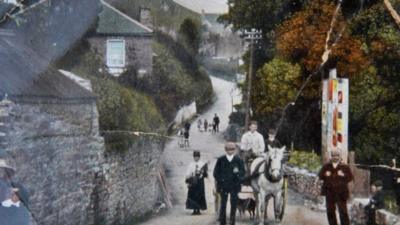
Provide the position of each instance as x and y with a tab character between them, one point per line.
108	63
10	2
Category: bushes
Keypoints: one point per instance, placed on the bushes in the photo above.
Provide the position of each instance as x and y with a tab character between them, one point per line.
177	79
120	108
306	160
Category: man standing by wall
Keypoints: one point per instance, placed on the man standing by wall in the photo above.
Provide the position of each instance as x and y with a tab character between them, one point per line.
376	202
228	173
336	176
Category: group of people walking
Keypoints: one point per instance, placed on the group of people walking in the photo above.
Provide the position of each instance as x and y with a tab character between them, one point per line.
184	132
204	125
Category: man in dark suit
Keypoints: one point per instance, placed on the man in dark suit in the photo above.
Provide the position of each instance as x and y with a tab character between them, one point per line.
216	122
336	176
229	173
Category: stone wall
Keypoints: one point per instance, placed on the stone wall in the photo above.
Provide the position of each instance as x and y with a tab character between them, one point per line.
129	185
358	215
56	150
139	51
304	182
60	158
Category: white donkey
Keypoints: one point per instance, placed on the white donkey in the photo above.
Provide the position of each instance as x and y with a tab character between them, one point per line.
268	182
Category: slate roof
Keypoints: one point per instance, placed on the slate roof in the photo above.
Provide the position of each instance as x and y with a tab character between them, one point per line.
4	8
114	22
24	76
42	33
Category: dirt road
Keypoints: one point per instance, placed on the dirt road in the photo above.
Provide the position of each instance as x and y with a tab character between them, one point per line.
211	146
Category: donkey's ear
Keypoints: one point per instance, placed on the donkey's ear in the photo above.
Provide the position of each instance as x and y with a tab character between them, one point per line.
269	148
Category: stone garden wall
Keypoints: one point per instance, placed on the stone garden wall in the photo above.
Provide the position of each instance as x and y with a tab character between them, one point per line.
61	159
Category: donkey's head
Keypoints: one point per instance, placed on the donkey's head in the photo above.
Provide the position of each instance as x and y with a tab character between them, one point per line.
275	156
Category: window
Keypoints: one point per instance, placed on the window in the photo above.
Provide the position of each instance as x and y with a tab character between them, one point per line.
116	53
10	1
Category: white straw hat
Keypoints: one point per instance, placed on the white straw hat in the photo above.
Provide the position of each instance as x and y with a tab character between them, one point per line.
9	169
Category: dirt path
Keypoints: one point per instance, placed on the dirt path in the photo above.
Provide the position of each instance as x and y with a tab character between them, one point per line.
211	146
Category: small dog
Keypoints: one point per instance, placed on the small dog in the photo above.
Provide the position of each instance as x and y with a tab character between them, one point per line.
247	205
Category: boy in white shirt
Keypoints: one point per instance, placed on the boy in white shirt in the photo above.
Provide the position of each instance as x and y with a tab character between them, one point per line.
252	143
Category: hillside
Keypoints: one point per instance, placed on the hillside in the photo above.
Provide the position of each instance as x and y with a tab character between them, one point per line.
120	108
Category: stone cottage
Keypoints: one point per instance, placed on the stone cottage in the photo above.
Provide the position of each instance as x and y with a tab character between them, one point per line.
49	125
122	42
51	135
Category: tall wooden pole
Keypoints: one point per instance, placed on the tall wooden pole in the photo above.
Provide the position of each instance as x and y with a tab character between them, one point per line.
392	11
253	35
249	84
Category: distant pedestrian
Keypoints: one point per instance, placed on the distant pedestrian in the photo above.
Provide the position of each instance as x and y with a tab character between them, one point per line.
216	122
187	126
214	128
205	125
195	174
376	202
229	174
186	136
336	176
181	138
199	124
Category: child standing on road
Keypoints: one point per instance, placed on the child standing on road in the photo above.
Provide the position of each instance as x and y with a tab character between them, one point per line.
199	124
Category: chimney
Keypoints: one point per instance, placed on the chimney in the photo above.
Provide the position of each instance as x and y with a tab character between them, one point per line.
145	17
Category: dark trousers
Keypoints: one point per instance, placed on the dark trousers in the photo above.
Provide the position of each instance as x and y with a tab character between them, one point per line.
331	203
222	211
371	220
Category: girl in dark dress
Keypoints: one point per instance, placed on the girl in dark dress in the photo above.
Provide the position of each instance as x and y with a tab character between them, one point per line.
196	172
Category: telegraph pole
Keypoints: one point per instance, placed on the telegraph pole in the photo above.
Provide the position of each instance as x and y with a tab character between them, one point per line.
251	36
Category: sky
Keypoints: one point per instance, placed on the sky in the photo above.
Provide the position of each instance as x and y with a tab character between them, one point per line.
209	6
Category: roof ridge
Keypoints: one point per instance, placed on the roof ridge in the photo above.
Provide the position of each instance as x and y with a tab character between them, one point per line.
27	8
126	16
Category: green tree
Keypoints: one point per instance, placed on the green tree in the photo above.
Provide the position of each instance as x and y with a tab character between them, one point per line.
278	84
375	111
260	14
189	33
374	119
